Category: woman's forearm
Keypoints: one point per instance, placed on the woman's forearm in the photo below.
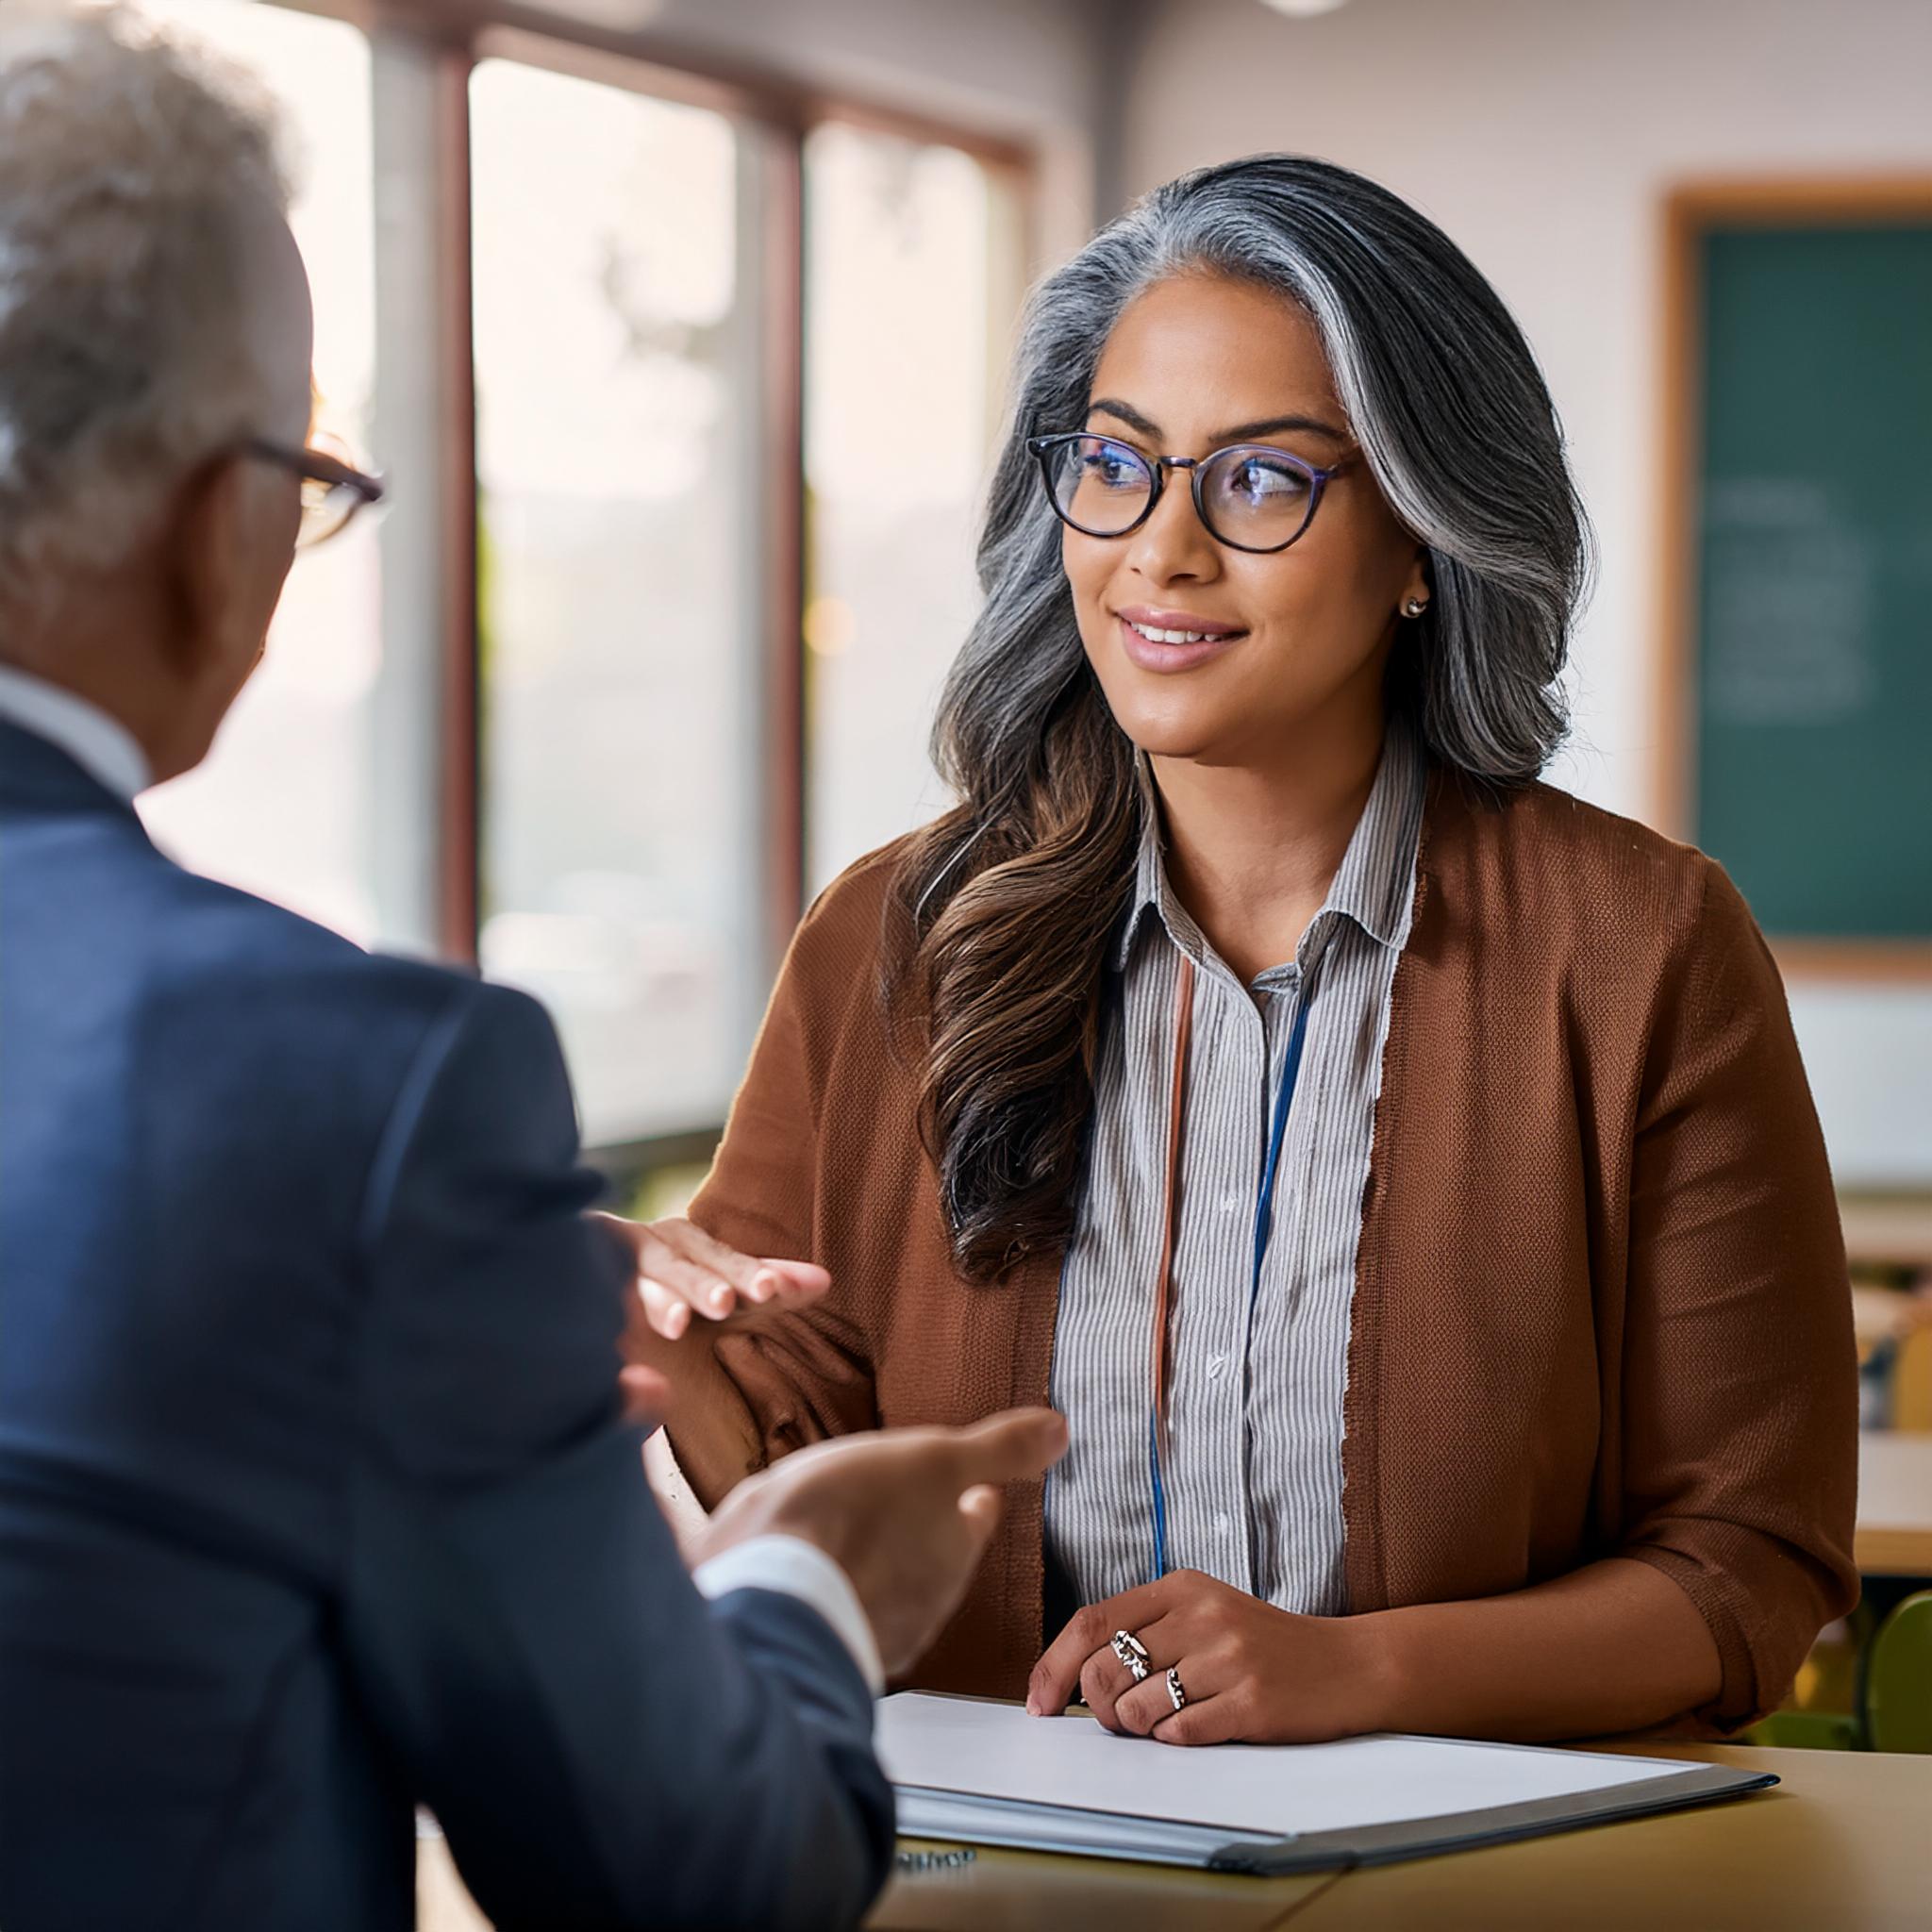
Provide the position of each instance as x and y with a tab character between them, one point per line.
711	1432
1615	1646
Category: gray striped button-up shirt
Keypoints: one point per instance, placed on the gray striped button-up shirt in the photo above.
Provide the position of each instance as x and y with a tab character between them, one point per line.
1253	1465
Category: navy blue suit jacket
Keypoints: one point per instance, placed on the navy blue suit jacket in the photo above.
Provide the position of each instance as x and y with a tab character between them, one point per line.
315	1502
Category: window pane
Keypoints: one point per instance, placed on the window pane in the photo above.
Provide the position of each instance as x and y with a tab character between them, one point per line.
619	587
909	271
281	805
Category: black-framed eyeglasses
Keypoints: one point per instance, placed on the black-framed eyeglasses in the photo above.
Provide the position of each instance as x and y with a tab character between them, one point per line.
1249	497
333	489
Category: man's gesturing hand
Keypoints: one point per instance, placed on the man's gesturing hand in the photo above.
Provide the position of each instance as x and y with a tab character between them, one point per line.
905	1513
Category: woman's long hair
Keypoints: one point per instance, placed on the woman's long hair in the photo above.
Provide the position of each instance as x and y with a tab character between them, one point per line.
1003	909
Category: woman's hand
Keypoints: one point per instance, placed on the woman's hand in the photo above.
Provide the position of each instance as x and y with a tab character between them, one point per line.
1250	1672
684	1275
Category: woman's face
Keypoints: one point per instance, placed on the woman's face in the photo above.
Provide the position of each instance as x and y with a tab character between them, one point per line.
1294	638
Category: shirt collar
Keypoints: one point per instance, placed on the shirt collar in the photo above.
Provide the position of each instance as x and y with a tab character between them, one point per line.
1375	884
102	746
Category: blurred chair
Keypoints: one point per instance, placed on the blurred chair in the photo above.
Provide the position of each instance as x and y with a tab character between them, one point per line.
1822	1711
1888	1244
1867	1685
1911	1376
1897	1700
1894	1327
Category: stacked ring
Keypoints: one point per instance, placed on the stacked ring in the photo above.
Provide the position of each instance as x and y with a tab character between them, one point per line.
1132	1653
1175	1694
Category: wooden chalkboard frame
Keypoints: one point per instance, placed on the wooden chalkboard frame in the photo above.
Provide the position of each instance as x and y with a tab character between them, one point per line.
1690	211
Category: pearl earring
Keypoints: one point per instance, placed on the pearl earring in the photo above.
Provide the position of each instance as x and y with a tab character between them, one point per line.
1415	607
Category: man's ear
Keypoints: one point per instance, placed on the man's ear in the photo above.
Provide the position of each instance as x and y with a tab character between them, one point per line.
205	556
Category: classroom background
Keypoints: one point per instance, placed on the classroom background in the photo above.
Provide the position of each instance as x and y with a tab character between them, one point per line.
679	328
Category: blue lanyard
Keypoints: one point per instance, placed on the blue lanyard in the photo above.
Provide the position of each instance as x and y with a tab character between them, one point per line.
1264	1226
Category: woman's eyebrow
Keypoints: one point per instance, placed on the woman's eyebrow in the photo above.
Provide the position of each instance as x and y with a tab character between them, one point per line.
1126	412
1244	432
1273	426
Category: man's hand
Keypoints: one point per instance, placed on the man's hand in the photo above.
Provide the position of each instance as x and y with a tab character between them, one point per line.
1249	1672
905	1513
683	1274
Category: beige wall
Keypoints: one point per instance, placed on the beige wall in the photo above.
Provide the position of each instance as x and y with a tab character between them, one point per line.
1541	134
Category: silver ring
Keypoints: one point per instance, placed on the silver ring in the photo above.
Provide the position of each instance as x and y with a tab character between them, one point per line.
1132	1653
1175	1694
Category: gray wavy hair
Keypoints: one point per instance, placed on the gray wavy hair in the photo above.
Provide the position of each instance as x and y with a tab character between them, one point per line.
127	163
1003	909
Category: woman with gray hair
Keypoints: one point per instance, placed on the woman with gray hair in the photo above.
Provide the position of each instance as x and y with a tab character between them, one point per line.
1400	1174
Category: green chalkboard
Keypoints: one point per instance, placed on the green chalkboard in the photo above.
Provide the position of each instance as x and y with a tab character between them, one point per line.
1812	497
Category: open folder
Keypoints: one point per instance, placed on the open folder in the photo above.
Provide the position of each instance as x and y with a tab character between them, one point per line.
966	1768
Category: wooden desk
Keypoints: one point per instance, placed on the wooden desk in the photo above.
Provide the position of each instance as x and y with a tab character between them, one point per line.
1887	1231
1894	1532
1840	1845
1023	1891
997	1890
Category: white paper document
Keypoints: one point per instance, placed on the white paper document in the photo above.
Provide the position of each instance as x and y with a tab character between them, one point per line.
972	1769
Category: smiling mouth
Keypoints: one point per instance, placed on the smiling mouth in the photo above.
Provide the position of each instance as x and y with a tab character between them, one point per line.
1156	635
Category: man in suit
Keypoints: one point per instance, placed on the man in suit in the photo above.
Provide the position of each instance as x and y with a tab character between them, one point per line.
316	1498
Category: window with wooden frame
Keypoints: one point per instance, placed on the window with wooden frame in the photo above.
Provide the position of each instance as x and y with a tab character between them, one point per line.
645	646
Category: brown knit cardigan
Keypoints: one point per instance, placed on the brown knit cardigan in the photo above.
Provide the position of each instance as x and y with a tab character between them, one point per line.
1601	1300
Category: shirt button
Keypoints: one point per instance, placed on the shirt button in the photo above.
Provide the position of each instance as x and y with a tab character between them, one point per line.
1222	1525
1215	1365
1231	1203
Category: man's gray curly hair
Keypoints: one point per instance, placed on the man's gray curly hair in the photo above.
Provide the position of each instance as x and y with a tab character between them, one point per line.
129	167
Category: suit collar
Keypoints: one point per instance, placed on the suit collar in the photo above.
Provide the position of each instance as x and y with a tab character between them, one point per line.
101	745
36	771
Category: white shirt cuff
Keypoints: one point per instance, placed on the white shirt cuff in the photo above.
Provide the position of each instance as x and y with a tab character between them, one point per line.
795	1568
